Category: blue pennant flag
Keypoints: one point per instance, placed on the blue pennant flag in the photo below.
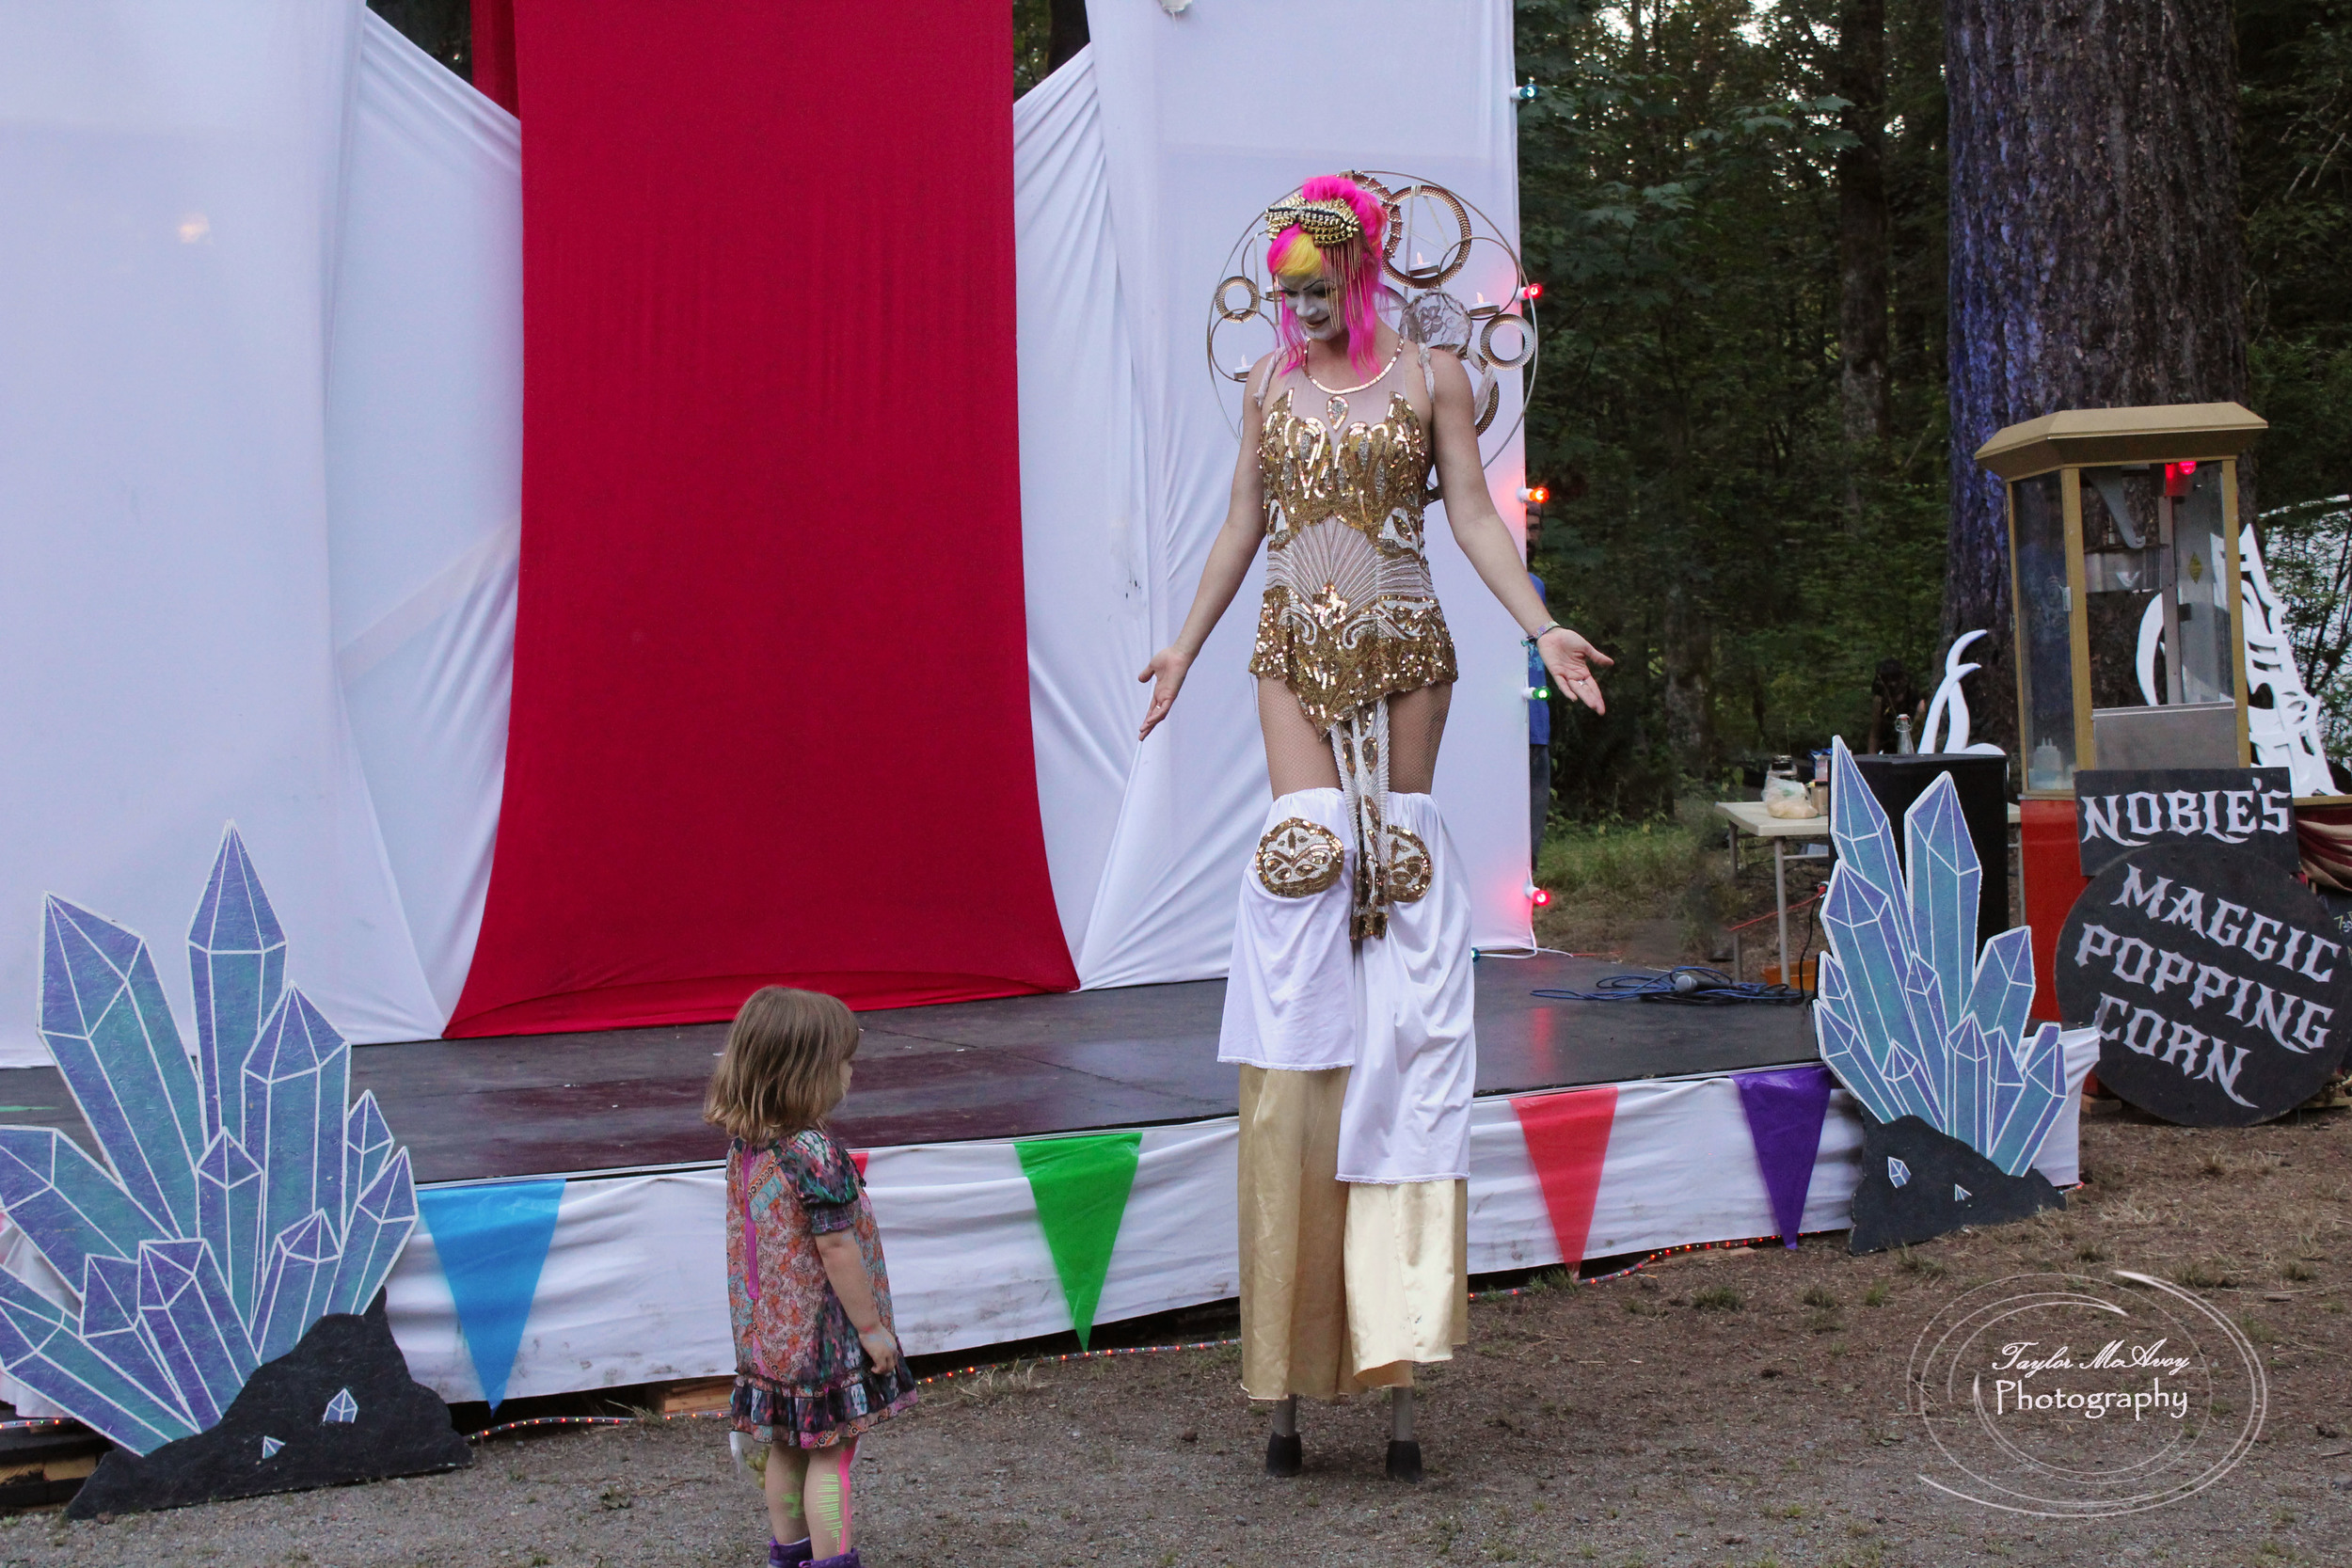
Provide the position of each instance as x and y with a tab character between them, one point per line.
492	1241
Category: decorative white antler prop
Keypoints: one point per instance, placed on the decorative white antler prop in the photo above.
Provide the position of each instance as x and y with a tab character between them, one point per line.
1950	707
2285	733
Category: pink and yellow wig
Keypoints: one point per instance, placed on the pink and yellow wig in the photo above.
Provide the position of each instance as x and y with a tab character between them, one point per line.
1352	266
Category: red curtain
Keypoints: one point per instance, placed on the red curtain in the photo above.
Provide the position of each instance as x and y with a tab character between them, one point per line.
770	715
494	52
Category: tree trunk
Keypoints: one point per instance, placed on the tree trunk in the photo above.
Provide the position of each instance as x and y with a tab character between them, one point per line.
1690	671
1862	227
2095	250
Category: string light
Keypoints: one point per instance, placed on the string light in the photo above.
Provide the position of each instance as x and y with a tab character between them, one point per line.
1533	290
1535	495
1537	895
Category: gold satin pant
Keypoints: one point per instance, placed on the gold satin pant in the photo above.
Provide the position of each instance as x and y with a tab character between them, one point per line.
1344	1285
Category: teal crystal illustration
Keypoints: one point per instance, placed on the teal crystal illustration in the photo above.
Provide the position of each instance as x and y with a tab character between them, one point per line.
242	1198
1910	1017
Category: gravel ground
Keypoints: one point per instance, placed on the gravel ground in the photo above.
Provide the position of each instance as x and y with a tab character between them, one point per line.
1732	1406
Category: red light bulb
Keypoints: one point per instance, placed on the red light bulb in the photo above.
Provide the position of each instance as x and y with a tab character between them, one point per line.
1533	290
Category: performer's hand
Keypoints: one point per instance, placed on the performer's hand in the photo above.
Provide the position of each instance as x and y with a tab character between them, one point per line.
1168	668
882	1347
1570	660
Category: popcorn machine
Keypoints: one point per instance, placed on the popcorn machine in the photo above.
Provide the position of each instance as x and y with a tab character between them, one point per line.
2123	562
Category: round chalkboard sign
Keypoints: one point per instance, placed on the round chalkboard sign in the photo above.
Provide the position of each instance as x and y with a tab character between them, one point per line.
2221	989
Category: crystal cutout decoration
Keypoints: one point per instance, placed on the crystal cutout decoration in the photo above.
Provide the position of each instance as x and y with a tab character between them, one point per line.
379	1227
239	1201
42	1351
53	1191
237	957
104	1016
295	1098
343	1407
229	1216
185	1310
270	1447
111	1325
1911	1018
301	1277
1897	1172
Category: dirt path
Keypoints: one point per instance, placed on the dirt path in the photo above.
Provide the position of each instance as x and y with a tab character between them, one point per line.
1647	1420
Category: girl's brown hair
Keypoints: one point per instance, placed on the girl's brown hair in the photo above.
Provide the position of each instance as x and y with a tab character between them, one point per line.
781	1072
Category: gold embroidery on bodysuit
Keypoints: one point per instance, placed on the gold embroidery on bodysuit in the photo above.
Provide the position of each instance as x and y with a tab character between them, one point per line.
1349	616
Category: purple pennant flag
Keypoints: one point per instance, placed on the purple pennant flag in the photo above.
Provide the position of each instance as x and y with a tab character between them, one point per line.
1785	1109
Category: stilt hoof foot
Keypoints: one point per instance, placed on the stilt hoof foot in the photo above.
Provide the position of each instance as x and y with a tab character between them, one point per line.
1405	1462
1283	1455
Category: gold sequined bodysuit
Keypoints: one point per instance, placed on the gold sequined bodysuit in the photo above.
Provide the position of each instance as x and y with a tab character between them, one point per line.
1350	618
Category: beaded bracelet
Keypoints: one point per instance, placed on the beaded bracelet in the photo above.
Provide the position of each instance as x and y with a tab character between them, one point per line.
1547	627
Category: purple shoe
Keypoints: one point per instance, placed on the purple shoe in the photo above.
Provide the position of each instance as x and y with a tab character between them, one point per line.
847	1560
794	1555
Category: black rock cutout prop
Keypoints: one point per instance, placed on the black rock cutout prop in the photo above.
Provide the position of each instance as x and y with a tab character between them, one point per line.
2218	984
399	1428
1946	1184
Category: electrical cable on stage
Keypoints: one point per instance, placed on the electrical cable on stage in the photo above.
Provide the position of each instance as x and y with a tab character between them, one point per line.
1692	984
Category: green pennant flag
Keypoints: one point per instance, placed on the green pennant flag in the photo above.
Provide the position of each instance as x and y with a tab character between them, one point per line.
1081	1187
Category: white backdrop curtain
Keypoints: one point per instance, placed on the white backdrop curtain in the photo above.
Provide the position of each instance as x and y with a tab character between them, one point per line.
1137	165
424	480
258	440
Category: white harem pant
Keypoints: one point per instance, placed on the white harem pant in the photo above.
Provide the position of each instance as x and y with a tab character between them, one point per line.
1358	1063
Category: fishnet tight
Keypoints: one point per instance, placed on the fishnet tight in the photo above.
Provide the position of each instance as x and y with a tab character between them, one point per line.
1298	758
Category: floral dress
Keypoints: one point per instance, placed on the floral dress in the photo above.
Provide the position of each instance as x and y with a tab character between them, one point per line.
801	1375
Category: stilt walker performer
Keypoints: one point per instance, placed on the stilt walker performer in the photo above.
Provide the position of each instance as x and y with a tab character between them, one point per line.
1348	1005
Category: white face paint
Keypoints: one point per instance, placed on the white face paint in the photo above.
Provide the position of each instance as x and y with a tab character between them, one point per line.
1315	307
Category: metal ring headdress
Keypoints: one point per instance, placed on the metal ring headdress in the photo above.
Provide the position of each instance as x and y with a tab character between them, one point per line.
1434	246
1326	223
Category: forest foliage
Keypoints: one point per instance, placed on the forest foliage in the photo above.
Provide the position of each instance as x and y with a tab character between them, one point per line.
2295	59
1710	526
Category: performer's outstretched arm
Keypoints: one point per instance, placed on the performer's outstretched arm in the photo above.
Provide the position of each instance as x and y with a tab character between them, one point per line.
1486	540
1236	547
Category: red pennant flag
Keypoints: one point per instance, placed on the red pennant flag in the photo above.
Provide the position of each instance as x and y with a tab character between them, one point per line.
857	1157
1567	1137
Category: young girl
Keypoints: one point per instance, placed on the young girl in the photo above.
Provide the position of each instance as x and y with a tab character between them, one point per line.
817	1362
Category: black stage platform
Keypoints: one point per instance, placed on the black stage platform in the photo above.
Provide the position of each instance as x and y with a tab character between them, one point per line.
550	1104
